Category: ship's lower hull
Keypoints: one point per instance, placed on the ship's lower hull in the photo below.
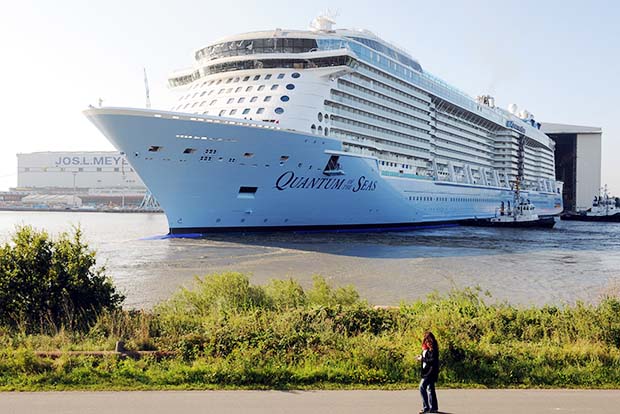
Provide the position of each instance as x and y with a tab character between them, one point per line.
217	175
614	218
541	223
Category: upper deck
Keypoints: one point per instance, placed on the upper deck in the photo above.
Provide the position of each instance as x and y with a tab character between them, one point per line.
271	47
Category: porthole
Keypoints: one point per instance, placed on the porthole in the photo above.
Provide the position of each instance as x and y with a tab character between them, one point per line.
326	118
313	128
279	110
284	98
320	128
326	131
295	75
320	117
290	86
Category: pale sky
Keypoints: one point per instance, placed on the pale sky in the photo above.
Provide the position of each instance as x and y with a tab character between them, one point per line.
558	59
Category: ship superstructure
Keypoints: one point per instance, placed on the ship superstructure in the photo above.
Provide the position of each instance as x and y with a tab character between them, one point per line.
327	128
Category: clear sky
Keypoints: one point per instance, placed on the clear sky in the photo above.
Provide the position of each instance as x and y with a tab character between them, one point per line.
558	59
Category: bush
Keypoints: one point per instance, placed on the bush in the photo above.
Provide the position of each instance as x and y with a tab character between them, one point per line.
46	284
324	295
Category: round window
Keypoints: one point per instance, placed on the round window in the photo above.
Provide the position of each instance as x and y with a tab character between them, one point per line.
320	117
284	98
326	131
320	128
295	75
279	110
326	118
290	86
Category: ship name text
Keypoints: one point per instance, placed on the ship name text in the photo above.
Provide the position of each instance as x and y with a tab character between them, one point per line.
289	180
513	125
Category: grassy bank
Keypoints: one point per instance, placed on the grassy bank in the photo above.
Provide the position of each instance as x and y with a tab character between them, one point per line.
229	333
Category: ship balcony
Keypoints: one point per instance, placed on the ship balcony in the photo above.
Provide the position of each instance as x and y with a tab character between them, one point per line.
381	91
422	121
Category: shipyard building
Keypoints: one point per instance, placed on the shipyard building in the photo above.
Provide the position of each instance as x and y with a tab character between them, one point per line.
577	162
95	178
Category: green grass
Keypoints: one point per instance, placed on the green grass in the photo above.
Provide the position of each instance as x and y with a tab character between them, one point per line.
231	334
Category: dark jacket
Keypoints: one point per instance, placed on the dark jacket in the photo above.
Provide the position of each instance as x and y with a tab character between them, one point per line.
430	364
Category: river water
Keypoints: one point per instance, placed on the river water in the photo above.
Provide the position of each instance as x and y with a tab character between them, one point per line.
573	261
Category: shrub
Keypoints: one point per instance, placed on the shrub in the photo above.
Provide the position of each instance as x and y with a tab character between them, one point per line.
286	294
324	295
46	283
216	293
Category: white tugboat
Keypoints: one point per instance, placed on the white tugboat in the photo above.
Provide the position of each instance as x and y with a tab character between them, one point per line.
604	208
523	212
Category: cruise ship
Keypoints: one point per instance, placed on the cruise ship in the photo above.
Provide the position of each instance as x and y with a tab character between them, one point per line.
327	129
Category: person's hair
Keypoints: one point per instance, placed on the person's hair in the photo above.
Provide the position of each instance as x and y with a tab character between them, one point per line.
429	340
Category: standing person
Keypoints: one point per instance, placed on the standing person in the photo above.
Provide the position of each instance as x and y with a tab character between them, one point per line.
430	371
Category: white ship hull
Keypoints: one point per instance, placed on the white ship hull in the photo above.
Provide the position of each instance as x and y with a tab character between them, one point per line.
210	174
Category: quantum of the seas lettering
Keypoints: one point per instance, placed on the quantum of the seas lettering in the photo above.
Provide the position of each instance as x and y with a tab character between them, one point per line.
289	180
364	185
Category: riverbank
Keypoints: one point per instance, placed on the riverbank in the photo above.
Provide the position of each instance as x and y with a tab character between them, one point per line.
226	333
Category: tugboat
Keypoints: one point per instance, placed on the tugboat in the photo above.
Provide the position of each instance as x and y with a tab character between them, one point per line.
604	208
523	214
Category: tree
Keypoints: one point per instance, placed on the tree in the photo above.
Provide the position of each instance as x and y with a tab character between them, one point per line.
46	283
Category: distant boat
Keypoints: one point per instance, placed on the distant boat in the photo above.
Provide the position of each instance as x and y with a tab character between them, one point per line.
604	208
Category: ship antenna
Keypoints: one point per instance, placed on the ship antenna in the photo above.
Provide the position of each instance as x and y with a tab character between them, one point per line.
146	88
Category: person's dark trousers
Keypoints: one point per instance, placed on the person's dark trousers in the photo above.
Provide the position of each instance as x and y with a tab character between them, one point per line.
429	398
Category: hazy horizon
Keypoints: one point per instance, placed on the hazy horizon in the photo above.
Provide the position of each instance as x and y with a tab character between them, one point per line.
559	60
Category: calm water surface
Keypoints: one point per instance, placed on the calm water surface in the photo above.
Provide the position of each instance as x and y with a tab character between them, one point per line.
570	262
